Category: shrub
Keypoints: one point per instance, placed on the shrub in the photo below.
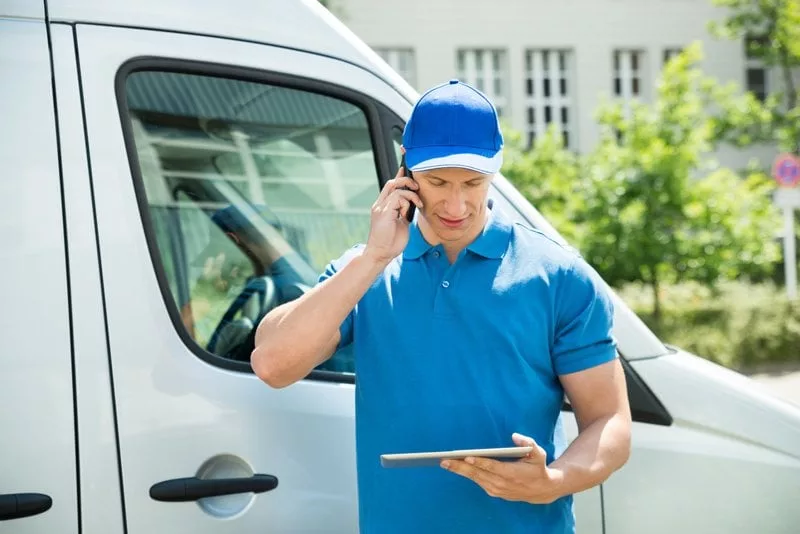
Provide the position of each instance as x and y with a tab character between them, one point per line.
736	324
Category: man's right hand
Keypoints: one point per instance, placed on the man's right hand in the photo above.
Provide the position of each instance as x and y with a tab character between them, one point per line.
388	233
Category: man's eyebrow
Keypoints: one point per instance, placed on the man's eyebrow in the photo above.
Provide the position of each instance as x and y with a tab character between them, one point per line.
472	178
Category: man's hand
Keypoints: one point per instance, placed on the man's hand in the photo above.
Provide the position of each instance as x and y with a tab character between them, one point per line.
388	233
528	479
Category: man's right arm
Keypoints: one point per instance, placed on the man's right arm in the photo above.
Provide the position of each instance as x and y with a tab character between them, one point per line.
295	337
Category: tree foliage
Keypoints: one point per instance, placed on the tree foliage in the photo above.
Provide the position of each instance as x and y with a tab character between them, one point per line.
770	30
648	204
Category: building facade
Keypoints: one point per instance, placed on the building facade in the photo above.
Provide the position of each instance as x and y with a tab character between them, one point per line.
553	61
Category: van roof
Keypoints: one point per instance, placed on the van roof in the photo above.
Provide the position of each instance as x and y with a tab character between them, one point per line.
298	24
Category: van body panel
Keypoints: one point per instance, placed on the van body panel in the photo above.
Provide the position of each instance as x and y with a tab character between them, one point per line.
729	463
37	418
298	24
22	9
101	500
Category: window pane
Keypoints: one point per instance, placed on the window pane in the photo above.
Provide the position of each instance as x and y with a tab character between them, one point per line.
251	190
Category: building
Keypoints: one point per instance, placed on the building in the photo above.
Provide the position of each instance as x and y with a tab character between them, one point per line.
547	61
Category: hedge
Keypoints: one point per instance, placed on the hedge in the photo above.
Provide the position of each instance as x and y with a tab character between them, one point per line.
739	325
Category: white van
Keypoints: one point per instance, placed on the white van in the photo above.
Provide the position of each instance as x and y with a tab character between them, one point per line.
127	403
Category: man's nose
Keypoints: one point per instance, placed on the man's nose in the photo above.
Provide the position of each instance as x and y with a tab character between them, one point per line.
456	203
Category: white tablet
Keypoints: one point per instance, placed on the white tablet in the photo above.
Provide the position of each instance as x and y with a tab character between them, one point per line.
417	459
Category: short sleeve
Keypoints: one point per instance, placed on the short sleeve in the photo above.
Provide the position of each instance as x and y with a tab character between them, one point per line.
346	328
584	321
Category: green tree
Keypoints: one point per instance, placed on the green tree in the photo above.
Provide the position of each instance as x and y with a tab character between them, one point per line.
638	207
549	177
770	30
657	219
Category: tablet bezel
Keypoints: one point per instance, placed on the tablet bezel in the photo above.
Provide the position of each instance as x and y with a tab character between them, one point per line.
434	458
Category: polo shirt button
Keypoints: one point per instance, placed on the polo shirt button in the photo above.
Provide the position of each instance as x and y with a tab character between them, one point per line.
435	253
445	284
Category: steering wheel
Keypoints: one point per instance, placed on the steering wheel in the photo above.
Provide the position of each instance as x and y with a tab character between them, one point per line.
229	332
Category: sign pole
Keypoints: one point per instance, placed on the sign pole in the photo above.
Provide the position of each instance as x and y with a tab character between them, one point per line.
789	253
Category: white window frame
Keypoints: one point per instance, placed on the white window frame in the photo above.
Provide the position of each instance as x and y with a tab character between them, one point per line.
628	64
548	66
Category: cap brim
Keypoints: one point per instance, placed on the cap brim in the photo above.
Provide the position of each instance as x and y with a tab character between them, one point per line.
437	157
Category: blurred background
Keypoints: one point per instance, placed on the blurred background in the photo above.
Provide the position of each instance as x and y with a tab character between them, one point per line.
658	136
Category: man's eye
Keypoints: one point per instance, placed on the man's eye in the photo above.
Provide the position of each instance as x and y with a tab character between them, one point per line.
437	184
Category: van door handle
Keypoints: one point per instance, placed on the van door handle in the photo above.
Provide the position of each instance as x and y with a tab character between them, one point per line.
193	488
16	505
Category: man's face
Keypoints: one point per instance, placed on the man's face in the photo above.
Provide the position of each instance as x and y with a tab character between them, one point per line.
454	201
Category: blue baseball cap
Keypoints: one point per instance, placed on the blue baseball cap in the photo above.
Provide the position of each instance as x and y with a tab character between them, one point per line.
453	125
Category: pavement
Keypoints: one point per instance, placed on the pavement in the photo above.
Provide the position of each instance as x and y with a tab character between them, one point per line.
784	384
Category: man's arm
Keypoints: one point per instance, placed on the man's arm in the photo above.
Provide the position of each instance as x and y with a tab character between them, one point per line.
297	336
599	399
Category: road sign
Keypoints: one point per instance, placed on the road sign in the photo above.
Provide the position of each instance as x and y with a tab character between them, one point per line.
786	170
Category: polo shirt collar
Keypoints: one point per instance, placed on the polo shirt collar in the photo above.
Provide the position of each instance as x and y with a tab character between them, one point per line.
491	243
417	246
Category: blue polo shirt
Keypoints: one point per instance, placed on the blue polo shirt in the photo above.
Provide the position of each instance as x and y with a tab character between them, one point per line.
461	356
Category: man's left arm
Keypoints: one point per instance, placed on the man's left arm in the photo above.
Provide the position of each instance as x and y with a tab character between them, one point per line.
593	379
599	400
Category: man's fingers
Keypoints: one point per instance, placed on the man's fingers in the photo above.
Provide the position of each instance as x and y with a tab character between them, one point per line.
485	478
393	184
396	199
525	441
495	467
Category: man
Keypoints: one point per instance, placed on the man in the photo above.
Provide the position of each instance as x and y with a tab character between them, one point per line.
467	330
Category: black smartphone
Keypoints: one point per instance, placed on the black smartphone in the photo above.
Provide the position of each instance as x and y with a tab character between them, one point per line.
413	207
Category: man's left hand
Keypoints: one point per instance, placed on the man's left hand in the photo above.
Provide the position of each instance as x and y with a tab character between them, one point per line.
528	479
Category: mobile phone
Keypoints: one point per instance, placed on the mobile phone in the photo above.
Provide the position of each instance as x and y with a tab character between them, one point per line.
413	207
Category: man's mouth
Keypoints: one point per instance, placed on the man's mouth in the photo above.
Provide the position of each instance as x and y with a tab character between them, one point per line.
452	223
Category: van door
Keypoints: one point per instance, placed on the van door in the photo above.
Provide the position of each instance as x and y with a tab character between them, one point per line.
225	175
38	481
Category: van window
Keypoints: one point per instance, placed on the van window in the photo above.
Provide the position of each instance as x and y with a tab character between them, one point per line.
248	189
